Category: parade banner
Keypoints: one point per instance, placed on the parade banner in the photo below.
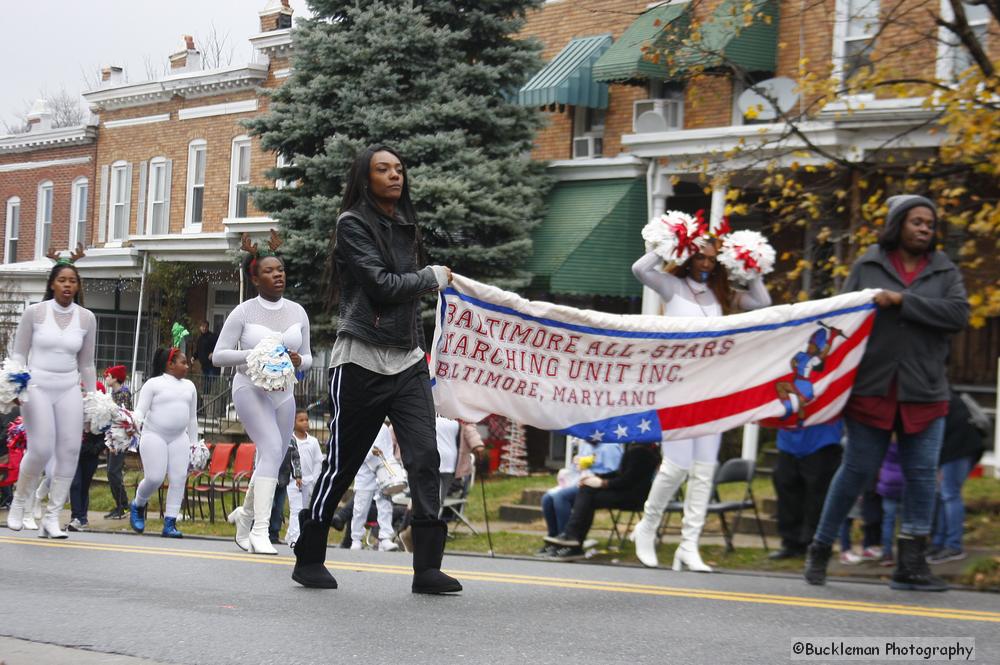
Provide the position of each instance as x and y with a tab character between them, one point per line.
634	378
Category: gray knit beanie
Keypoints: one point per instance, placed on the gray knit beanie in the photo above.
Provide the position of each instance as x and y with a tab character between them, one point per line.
899	205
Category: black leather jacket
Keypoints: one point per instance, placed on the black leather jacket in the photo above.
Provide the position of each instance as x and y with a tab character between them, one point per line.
380	282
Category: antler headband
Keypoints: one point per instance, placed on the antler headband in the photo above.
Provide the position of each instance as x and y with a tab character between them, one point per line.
254	250
77	254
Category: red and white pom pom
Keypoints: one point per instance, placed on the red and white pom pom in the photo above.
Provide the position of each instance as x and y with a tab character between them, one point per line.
124	432
674	235
746	255
200	455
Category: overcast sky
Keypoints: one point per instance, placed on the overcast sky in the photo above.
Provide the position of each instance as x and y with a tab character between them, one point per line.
54	44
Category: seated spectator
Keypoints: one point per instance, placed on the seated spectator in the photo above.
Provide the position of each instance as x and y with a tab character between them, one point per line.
557	504
964	443
890	488
807	460
625	488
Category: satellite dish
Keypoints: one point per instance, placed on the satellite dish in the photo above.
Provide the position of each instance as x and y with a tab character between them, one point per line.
650	121
761	99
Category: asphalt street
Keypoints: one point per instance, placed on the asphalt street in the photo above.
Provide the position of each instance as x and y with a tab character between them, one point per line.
205	601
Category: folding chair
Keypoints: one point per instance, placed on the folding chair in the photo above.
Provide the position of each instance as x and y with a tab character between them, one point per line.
619	530
207	483
735	471
456	504
243	464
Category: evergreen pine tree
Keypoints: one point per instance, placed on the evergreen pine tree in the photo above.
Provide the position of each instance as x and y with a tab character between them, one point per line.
436	80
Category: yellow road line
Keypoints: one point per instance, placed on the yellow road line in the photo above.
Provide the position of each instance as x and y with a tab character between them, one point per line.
549	582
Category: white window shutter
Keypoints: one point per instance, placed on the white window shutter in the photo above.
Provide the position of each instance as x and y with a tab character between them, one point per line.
102	213
128	197
142	225
167	177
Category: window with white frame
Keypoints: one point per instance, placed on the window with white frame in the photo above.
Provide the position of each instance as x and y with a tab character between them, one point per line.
588	132
78	212
956	55
43	228
280	163
857	28
195	204
13	230
121	186
239	178
157	210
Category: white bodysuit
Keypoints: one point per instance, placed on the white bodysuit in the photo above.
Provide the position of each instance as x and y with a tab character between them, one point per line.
269	417
57	345
366	487
687	297
168	407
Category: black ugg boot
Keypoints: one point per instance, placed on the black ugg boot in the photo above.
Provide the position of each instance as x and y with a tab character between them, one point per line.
428	550
817	559
912	572
310	554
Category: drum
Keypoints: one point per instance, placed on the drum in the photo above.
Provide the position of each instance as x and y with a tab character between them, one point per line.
389	474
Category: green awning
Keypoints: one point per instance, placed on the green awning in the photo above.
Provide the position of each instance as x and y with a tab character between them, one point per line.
591	234
743	33
740	32
567	78
663	27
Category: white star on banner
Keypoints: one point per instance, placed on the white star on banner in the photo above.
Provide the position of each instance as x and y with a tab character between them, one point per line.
621	431
644	425
597	436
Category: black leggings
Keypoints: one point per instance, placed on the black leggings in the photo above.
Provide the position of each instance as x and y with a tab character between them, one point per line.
360	400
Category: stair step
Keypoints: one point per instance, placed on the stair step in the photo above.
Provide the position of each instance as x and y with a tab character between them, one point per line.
748	525
768	506
532	497
519	513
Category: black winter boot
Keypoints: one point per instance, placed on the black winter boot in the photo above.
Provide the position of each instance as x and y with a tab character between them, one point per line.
310	554
912	572
428	550
817	558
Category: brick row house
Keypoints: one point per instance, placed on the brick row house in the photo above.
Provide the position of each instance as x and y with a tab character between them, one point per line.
627	138
163	175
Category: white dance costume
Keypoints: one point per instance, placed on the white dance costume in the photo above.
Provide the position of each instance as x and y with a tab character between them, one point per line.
691	459
686	297
268	417
57	345
366	486
310	463
168	407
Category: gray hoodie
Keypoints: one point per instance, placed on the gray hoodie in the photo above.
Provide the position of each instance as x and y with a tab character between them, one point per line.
910	342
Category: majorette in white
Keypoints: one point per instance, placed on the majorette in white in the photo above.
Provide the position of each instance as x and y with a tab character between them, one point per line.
366	486
698	252
56	342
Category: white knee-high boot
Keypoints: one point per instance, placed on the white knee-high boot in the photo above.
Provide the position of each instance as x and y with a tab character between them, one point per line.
699	493
242	517
20	506
263	498
31	506
58	492
41	494
668	480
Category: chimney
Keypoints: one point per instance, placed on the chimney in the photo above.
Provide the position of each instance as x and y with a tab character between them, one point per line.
188	60
112	76
40	117
277	15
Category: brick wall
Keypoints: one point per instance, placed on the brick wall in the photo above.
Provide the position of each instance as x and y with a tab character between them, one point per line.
24	185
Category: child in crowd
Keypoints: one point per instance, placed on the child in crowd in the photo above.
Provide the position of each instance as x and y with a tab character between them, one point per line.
890	488
307	460
366	487
868	508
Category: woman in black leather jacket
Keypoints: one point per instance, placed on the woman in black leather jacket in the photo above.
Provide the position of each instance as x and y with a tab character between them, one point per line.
378	367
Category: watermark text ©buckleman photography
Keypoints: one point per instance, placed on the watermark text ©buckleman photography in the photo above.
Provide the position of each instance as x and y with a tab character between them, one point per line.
883	648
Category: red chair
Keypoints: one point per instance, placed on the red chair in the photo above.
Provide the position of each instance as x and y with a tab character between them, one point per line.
241	472
208	482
